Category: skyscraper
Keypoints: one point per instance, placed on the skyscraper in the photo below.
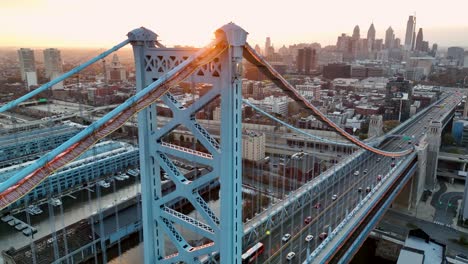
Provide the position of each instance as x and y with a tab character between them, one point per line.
456	54
371	37
27	66
434	50
410	32
389	38
52	62
53	65
257	49
300	60
356	33
267	46
397	43
419	40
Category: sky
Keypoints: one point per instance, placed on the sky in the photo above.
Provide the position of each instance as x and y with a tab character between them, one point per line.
104	23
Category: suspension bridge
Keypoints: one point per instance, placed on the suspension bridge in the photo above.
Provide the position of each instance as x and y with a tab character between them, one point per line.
299	203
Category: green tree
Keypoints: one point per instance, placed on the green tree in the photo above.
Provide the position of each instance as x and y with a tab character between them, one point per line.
362	136
390	124
447	139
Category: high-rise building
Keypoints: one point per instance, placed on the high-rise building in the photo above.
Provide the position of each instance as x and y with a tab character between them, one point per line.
434	50
267	46
389	38
425	46
253	145
257	49
356	33
306	60
371	37
116	72
52	62
419	40
53	65
343	43
457	54
310	61
300	60
378	44
27	66
397	43
398	98
409	36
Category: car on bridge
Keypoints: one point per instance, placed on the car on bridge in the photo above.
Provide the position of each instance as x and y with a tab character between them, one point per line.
334	197
365	171
307	220
378	159
290	256
368	189
286	237
309	238
359	190
356	173
317	205
393	164
323	235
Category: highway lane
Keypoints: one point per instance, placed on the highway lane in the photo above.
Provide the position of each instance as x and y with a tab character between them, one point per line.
348	200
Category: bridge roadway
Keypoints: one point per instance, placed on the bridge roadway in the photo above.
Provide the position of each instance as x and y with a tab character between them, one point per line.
333	212
460	158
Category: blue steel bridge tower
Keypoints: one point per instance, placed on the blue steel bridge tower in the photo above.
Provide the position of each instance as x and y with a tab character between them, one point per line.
224	157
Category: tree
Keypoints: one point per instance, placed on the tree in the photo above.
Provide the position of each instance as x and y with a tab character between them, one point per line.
390	124
447	139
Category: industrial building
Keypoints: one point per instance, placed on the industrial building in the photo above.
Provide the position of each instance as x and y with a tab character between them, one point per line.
105	158
19	147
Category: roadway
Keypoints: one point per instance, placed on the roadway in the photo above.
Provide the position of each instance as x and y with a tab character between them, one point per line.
333	212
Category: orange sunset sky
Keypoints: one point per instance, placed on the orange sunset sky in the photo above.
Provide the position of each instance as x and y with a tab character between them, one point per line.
102	23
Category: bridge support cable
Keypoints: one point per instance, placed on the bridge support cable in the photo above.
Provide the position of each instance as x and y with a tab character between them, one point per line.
24	181
251	55
73	71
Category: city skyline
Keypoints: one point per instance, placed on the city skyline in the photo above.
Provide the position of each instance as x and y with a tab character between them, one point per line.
195	23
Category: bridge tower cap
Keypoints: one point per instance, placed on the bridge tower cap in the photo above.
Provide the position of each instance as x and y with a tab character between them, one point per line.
142	34
235	35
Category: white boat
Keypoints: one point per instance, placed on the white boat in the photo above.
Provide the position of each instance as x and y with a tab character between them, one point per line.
104	184
55	202
132	173
118	178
